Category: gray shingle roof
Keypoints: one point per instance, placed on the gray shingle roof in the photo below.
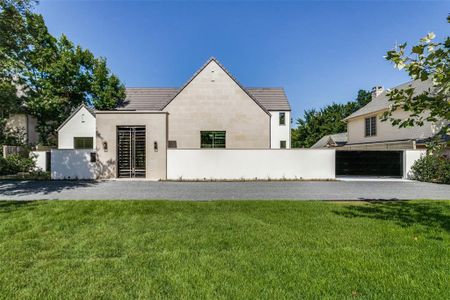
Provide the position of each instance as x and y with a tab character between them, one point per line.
339	139
382	101
157	98
271	98
147	98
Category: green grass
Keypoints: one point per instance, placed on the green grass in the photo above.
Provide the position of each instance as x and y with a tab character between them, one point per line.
228	249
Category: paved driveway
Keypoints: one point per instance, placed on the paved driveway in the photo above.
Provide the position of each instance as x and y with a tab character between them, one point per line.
294	190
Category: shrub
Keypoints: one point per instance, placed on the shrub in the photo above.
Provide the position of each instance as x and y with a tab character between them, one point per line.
16	163
432	168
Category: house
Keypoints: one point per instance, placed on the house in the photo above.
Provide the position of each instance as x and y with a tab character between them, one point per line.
78	130
211	111
366	131
24	125
332	140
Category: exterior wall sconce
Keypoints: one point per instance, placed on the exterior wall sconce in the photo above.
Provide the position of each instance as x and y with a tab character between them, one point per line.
155	146
105	146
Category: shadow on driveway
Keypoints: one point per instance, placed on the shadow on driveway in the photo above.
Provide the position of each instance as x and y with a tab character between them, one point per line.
25	187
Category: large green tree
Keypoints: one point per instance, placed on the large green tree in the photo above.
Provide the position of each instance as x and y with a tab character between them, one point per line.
329	120
426	60
48	77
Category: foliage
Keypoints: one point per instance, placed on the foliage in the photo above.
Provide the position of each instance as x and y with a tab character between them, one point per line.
16	163
329	120
428	60
48	77
432	168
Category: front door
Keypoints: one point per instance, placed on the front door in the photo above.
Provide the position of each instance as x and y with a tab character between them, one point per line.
131	152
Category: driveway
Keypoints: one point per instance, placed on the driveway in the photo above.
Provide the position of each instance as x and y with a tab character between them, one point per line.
287	190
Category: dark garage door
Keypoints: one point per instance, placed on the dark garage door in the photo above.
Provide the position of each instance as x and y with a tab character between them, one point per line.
369	163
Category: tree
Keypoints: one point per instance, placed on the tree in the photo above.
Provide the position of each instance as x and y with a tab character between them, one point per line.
426	60
54	75
329	120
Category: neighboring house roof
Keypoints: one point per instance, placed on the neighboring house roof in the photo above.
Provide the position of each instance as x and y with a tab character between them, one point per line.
381	102
158	98
74	113
332	140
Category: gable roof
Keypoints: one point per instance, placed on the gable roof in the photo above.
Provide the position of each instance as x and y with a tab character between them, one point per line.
338	139
158	98
74	113
381	102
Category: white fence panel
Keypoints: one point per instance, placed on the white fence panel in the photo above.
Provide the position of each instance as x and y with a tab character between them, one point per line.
231	164
410	158
72	164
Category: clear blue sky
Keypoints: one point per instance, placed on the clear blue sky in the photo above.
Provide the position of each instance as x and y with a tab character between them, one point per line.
318	51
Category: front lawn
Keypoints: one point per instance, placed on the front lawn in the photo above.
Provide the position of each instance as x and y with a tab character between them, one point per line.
228	249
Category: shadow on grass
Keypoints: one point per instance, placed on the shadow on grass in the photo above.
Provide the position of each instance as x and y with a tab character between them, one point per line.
9	206
432	214
27	188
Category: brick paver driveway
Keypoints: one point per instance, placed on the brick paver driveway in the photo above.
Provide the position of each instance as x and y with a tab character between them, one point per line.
292	190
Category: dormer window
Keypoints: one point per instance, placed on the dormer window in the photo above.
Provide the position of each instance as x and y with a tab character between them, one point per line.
371	126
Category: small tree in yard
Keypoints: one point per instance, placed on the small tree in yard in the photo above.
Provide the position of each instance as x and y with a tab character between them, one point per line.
426	60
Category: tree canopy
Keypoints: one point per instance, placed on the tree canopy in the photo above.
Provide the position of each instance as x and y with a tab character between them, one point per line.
426	60
329	120
46	76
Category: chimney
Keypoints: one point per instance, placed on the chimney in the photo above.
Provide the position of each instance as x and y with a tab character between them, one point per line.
376	91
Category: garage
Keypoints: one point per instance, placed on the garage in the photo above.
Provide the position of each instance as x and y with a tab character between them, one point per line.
369	163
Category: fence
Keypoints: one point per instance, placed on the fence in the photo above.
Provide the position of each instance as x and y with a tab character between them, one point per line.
229	164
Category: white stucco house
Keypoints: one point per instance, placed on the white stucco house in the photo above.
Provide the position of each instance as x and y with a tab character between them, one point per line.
78	131
212	110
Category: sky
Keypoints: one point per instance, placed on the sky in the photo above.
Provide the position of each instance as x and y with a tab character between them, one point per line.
318	51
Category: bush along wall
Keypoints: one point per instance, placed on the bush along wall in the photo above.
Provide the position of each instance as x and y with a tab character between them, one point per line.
16	163
432	168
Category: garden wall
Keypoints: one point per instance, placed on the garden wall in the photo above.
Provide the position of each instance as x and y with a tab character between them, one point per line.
72	164
231	164
410	156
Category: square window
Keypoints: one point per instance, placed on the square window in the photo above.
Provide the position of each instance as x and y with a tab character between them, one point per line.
212	139
83	143
282	144
172	144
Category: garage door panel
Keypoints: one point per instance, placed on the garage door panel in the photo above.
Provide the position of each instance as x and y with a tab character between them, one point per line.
369	163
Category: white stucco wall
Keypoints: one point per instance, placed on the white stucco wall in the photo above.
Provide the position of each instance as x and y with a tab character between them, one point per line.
280	132
40	157
72	164
192	164
409	157
82	124
385	130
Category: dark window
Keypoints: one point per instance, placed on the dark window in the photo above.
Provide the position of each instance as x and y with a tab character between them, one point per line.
212	139
83	143
172	144
93	157
371	126
282	118
282	144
